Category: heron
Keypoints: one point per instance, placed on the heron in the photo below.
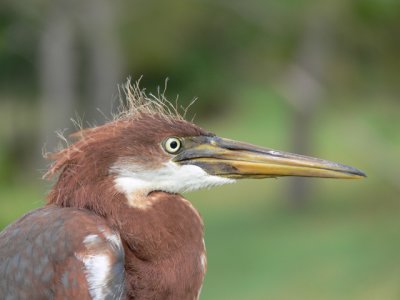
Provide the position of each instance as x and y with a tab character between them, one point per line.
115	225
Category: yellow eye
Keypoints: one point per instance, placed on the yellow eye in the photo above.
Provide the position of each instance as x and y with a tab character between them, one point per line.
172	145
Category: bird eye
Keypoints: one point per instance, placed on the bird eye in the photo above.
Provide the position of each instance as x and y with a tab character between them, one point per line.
172	145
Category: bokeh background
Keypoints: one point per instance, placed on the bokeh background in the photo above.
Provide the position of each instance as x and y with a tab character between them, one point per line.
316	77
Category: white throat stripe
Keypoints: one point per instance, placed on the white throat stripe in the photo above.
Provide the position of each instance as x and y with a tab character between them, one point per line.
172	178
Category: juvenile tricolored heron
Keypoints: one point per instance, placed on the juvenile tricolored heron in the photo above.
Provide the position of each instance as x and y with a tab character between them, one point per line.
115	225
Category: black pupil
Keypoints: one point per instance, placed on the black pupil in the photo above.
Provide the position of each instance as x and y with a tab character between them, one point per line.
174	145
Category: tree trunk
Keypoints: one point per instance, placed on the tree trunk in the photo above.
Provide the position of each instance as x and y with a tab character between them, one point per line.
304	91
105	59
57	70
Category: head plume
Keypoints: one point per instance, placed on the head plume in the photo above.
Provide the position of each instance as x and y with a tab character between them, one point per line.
135	102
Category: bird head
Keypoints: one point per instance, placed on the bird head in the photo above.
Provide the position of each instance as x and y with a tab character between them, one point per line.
151	148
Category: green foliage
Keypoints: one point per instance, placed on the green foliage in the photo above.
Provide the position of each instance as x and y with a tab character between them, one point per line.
16	201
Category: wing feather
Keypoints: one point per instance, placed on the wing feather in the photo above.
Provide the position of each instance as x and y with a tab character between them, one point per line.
53	253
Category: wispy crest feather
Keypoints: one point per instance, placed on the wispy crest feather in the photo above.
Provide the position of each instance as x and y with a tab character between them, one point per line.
135	102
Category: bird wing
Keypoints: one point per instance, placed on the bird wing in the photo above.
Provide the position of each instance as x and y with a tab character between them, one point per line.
58	253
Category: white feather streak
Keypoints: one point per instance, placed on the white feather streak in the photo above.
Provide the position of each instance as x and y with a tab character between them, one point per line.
97	272
171	178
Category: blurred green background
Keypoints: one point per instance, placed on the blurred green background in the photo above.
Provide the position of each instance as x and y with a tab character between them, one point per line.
320	78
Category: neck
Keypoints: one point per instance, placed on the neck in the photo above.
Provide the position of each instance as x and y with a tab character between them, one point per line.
161	224
164	246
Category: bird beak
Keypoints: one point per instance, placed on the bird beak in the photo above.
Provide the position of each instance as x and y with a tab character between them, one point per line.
233	159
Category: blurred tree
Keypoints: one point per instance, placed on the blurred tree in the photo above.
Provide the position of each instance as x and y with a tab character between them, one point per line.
303	87
60	69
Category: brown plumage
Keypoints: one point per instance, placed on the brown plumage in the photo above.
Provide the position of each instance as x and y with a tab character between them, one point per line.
149	236
115	225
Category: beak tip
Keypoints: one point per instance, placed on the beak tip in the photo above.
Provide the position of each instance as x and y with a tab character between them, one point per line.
358	174
362	174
